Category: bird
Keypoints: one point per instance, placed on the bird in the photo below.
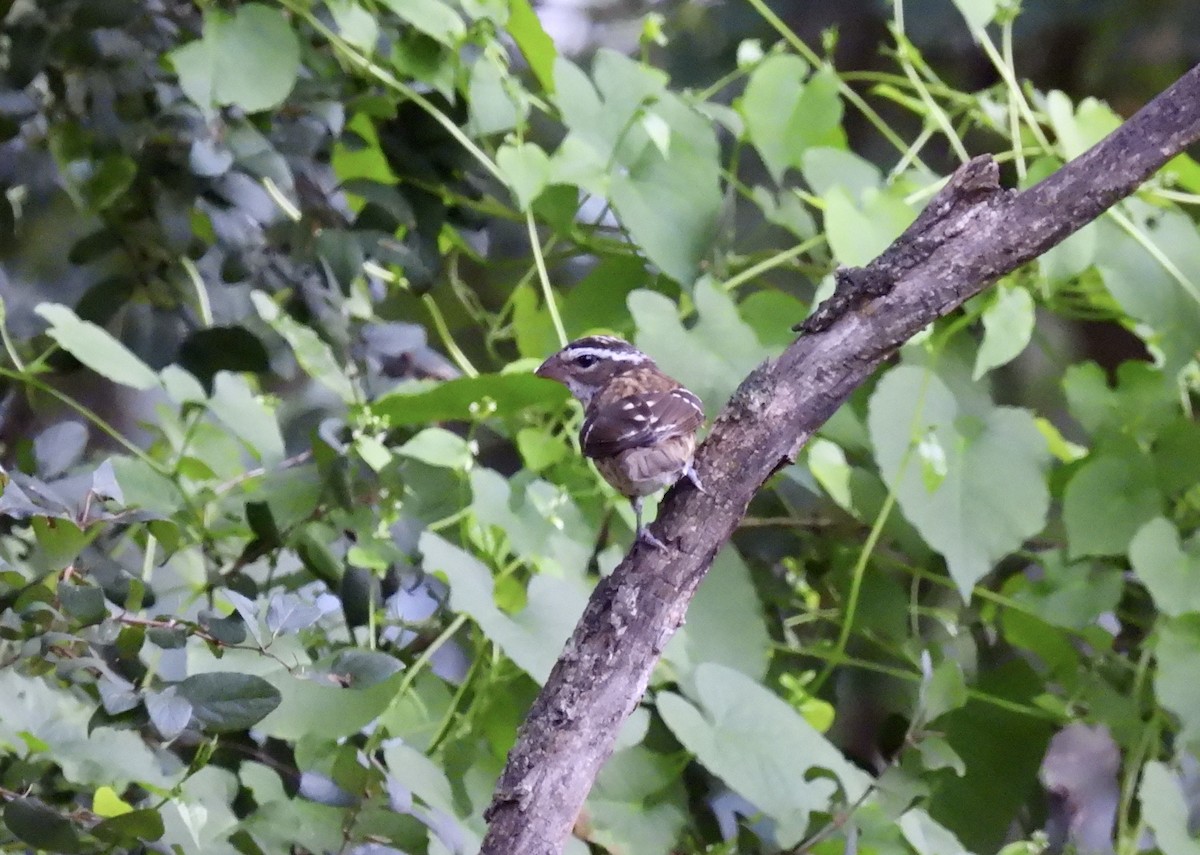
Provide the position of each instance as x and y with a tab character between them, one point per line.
639	426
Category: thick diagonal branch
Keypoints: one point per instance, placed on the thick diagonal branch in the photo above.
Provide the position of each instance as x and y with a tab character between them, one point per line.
972	233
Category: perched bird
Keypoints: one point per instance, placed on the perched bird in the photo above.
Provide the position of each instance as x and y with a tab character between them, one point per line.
639	425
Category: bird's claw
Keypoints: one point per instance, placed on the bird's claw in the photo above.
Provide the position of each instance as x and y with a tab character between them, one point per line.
644	536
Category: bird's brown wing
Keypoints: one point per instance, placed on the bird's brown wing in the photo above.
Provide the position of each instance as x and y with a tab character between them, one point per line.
638	421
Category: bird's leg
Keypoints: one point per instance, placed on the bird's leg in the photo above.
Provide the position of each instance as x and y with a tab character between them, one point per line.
692	475
643	533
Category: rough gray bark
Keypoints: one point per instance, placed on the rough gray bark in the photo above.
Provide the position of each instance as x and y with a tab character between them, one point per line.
970	234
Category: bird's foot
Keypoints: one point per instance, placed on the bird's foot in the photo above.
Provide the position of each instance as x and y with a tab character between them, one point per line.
692	475
644	536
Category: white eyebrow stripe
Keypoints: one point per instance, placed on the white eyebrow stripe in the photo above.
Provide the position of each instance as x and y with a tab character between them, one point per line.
605	353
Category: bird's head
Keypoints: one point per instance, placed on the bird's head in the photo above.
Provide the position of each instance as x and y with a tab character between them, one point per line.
587	364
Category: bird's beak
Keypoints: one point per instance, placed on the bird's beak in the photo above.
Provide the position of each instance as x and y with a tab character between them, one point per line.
546	369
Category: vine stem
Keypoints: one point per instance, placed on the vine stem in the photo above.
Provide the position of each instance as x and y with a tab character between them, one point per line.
359	59
885	511
774	261
544	278
844	88
91	416
443	331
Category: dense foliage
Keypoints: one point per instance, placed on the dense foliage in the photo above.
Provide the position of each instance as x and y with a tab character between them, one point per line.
289	534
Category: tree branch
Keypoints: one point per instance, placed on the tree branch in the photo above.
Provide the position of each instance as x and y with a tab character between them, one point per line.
972	233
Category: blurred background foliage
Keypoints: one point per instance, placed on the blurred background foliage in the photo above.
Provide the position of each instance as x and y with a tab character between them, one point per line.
289	535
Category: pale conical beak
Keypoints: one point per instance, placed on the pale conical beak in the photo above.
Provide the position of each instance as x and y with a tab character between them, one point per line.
546	369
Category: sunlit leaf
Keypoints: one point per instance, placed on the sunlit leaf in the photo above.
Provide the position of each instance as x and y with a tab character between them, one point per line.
1007	327
249	58
761	747
96	348
972	516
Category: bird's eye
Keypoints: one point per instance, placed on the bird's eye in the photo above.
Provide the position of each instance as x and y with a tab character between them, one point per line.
585	360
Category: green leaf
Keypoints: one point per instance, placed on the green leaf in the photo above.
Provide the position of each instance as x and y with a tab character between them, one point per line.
542	523
638	803
760	747
526	168
314	355
583	111
973	517
786	116
421	775
1007	328
468	399
438	447
1146	281
41	826
670	202
1078	131
85	603
95	348
978	13
249	418
859	232
817	117
362	669
60	539
429	783
1067	594
317	557
688	354
945	690
355	24
1170	574
1165	810
1144	401
322	706
532	638
491	105
223	701
1177	455
824	168
137	825
786	211
539	449
1177	647
936	753
110	178
724	623
169	713
106	802
1108	499
373	452
358	155
533	42
432	17
88	757
1001	749
598	301
249	59
828	465
768	104
1071	257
